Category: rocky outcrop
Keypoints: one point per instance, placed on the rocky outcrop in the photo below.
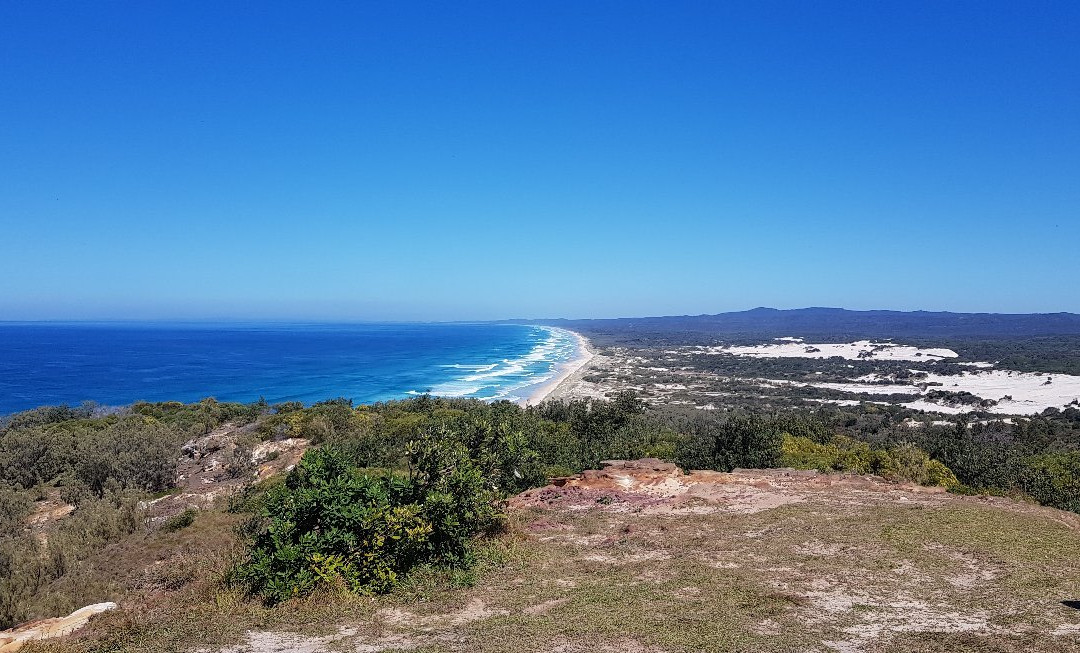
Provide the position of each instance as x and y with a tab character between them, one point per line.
221	463
656	486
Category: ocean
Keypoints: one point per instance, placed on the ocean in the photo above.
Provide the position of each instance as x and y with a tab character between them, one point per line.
117	364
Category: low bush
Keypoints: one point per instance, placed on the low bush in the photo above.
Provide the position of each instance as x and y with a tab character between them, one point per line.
328	523
181	521
1053	479
985	458
27	566
902	462
728	442
333	523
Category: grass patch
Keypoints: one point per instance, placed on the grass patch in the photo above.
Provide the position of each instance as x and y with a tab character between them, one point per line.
861	570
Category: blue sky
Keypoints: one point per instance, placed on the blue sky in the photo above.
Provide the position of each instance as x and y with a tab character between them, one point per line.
467	160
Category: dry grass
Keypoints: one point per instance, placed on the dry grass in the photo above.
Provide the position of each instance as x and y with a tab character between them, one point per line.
847	572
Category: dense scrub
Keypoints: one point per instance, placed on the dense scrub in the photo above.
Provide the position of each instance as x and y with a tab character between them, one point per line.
402	484
332	523
1026	458
28	565
90	454
102	464
903	461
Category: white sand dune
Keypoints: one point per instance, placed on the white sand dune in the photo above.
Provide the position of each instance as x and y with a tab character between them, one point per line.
1017	393
858	388
860	350
1029	393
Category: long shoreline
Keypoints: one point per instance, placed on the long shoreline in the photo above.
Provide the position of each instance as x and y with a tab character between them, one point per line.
567	373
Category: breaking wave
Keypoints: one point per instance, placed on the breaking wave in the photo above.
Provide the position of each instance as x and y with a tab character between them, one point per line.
509	378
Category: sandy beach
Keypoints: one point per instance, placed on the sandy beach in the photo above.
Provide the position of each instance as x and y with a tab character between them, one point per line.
566	375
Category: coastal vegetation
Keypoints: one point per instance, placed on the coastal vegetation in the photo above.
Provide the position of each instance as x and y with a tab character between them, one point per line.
1023	342
101	467
392	488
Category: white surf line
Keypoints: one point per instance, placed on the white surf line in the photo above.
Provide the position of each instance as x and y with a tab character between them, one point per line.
563	370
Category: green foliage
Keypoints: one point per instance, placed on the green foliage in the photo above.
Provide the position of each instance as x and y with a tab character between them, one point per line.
14	507
443	468
117	451
28	566
201	417
46	415
727	442
331	523
1053	479
910	463
252	498
839	454
325	421
134	453
407	485
902	462
103	463
457	489
34	455
181	521
983	457
578	434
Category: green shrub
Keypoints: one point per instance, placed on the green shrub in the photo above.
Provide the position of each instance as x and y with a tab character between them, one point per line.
200	417
101	454
329	523
1053	479
838	454
181	521
728	442
902	462
332	523
46	415
458	494
907	462
136	452
27	567
983	457
252	498
14	507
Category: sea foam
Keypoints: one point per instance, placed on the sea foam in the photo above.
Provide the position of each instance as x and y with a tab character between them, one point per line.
118	364
502	380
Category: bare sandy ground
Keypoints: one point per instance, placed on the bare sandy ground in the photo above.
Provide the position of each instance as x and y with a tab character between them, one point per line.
861	349
640	557
1017	393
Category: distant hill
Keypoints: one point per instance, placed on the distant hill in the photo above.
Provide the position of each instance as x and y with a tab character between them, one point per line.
833	323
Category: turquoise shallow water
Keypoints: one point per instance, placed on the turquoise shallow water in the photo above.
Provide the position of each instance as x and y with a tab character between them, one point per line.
116	364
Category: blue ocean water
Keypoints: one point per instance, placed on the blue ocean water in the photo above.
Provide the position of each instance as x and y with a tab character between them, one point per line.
117	364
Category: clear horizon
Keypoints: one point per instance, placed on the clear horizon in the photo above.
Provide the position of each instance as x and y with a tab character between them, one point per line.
484	161
225	321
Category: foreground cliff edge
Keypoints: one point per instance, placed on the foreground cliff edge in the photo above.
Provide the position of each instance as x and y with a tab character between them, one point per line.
638	556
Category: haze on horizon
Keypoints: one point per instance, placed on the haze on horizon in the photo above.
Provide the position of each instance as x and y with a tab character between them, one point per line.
489	160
